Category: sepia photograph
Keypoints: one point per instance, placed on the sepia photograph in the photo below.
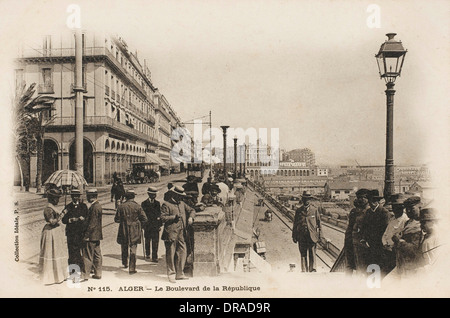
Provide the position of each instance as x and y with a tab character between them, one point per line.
225	149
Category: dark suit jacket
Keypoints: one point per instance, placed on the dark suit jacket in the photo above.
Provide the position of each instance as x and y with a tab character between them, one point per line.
307	223
373	226
94	223
75	230
175	230
153	213
129	215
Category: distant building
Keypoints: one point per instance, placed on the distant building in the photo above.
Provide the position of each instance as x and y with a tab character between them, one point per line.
296	186
302	155
423	189
342	190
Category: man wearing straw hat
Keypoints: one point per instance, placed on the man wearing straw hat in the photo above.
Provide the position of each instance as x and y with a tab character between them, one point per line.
430	242
176	216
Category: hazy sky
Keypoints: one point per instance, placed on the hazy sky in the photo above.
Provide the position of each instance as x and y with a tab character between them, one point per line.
305	67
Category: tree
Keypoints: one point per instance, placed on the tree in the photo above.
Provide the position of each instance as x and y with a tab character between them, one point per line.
31	121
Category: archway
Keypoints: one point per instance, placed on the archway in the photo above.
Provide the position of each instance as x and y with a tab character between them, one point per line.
88	160
50	162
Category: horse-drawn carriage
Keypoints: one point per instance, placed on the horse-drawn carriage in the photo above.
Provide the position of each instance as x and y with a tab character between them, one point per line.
142	173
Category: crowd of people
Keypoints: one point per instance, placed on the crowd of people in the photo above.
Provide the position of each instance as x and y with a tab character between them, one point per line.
138	223
399	243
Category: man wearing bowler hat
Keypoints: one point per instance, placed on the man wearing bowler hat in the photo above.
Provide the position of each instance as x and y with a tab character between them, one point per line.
306	232
130	217
92	254
74	220
355	253
374	225
176	216
152	209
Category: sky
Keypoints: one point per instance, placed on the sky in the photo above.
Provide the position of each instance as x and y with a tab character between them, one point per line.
305	67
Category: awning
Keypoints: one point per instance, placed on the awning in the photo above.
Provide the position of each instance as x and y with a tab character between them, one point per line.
153	158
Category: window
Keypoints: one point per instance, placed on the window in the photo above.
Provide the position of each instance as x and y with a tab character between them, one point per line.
47	76
347	191
19	79
337	191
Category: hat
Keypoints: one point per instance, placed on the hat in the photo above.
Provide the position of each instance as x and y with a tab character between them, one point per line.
130	194
412	201
192	193
428	214
54	192
374	195
362	193
91	192
74	192
152	190
398	199
178	190
215	187
307	194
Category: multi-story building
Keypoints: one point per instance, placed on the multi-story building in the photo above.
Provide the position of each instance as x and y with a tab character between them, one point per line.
120	104
302	155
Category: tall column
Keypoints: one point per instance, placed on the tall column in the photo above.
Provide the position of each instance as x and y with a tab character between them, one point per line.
235	157
78	102
224	128
389	166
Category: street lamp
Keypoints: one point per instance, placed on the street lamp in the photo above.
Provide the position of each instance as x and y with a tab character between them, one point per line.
390	60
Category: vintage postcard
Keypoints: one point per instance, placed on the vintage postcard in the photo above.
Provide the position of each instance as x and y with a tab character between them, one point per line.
225	149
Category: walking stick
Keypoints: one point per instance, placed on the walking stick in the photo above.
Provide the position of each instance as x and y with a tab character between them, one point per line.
143	241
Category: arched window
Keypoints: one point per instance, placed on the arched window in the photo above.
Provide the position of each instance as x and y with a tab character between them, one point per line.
107	144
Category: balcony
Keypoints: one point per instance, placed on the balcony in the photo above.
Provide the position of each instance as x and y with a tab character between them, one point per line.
45	89
103	122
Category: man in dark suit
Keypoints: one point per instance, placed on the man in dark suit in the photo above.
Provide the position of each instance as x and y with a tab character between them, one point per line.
130	217
92	254
152	209
306	232
176	216
355	252
74	220
374	224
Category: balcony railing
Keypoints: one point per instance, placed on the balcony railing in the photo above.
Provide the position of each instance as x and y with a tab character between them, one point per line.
106	122
46	89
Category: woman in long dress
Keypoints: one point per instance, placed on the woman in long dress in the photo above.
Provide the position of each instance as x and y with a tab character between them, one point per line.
52	258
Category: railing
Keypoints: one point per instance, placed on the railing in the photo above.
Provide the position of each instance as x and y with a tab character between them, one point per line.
45	89
58	52
104	121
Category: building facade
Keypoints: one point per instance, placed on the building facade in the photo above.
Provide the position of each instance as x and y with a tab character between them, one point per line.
120	104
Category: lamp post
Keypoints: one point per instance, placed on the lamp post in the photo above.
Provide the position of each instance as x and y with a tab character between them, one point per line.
390	60
224	128
235	156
